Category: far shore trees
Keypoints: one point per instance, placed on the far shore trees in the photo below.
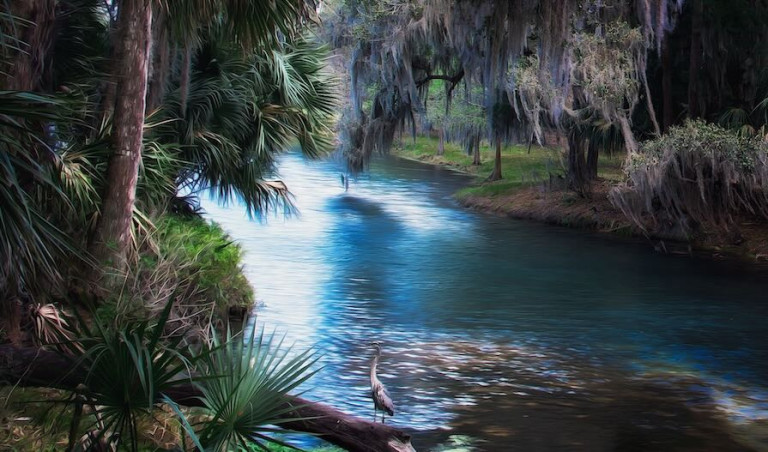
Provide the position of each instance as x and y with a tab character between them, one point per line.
591	71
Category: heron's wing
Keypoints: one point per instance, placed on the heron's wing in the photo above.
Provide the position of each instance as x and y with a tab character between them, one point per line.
383	399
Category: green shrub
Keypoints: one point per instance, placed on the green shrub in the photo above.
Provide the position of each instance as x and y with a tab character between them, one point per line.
191	258
696	174
214	259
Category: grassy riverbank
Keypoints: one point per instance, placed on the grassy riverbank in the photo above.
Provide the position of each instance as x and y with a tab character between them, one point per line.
533	188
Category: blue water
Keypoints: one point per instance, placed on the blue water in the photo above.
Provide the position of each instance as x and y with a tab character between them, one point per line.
501	334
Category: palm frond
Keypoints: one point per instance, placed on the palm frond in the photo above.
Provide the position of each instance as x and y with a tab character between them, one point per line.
247	389
242	111
129	369
29	241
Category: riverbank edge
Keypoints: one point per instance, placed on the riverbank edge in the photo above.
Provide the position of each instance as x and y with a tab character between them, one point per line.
565	208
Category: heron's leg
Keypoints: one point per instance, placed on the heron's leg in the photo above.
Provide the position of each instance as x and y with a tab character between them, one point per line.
374	413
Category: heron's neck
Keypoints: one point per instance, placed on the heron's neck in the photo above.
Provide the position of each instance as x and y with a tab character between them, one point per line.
375	364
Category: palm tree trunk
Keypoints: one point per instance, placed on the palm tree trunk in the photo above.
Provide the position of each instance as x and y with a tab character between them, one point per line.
10	319
113	231
35	20
161	66
186	66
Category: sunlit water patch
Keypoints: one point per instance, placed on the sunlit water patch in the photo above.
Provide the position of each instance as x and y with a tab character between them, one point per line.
501	334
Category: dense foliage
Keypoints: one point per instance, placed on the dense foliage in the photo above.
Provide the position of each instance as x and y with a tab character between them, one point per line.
219	113
211	260
600	74
108	111
696	174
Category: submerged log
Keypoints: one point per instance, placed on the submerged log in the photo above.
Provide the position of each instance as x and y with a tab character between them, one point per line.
27	366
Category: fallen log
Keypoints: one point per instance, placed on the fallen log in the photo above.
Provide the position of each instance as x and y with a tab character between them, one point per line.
27	366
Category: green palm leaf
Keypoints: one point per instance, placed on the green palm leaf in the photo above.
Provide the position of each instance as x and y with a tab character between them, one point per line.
30	242
129	369
242	110
247	390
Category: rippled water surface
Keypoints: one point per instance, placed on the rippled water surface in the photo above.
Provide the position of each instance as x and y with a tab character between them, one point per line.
502	334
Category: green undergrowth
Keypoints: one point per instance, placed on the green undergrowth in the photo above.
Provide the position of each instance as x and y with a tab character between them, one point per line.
520	166
191	258
274	448
215	259
30	419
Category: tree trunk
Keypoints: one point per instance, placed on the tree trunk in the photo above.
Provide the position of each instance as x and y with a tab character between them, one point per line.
186	67
694	108
35	28
476	151
109	85
592	156
42	368
441	143
161	64
10	319
496	174
629	138
576	178
649	104
666	86
113	231
577	175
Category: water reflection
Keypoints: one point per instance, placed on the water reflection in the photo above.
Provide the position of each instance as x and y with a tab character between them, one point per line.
500	334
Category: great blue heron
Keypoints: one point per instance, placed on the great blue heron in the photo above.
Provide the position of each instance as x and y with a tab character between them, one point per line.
381	399
345	182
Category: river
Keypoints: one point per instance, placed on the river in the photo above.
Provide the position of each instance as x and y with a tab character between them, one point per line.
501	334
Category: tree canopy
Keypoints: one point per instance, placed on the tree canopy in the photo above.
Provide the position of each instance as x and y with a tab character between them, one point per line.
214	93
639	66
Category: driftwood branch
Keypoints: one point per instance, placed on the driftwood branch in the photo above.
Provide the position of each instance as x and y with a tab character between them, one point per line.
26	366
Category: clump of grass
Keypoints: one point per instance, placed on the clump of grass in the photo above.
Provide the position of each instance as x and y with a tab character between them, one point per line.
197	262
29	423
215	259
696	174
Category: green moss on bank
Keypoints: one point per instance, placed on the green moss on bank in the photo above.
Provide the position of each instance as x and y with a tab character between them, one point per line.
191	259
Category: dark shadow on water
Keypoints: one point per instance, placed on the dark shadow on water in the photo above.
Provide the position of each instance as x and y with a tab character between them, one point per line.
356	205
611	413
